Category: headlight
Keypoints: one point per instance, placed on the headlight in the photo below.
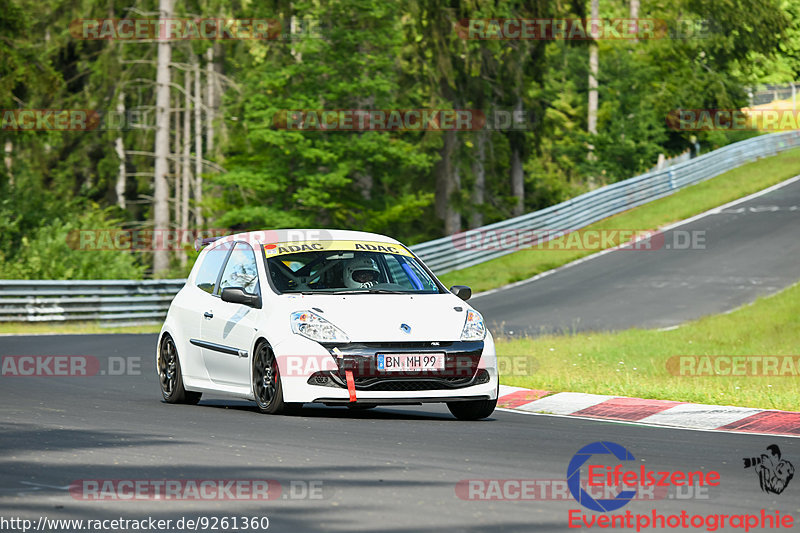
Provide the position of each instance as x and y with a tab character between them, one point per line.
474	330
316	328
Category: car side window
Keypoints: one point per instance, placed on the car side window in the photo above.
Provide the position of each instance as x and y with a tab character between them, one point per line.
209	271
241	270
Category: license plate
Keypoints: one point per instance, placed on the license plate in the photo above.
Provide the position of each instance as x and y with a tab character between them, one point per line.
410	362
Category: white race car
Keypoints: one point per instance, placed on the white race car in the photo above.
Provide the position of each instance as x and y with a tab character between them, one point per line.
331	317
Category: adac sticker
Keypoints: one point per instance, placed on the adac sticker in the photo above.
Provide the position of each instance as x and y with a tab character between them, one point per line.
281	248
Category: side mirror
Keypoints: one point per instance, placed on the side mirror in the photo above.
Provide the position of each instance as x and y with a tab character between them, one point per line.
236	295
462	291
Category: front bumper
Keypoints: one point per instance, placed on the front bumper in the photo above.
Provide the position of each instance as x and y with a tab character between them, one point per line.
470	373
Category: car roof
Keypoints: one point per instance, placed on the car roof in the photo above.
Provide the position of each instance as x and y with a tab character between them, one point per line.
303	234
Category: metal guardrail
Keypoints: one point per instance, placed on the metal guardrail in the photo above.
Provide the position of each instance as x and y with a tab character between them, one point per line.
119	302
458	251
109	301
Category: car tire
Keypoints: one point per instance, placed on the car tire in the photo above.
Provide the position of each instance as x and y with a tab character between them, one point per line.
472	409
170	377
267	386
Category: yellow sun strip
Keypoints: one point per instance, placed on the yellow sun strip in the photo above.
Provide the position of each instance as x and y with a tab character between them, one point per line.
282	248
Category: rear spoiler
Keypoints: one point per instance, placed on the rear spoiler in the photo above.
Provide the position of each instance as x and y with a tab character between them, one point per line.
199	243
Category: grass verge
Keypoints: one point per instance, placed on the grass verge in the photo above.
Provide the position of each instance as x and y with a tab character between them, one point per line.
726	187
634	362
70	328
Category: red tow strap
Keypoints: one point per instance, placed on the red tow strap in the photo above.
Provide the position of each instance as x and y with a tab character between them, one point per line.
351	384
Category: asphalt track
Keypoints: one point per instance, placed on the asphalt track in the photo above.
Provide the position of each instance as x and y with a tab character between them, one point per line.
750	249
392	469
397	469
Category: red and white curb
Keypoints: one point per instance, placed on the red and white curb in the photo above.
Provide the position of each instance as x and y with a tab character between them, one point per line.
664	413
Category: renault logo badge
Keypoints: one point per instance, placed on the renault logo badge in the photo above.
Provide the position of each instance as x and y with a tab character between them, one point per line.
406	328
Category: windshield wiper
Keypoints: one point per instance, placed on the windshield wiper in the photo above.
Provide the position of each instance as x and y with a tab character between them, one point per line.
311	292
334	291
374	291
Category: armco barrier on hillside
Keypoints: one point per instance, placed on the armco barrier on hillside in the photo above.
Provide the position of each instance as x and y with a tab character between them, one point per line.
453	253
126	301
112	301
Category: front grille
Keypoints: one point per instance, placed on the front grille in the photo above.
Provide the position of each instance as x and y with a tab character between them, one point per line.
461	358
353	347
402	385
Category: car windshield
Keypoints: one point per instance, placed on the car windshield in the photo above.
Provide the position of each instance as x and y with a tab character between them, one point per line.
346	267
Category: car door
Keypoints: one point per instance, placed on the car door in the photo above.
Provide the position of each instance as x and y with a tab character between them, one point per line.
228	328
199	299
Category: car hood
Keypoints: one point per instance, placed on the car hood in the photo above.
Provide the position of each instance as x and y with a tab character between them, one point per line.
378	317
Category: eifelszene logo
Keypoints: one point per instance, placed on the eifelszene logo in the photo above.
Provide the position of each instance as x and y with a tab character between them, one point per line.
774	473
599	475
611	466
